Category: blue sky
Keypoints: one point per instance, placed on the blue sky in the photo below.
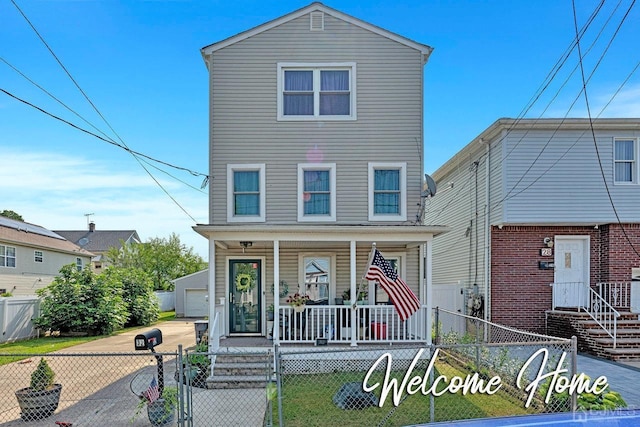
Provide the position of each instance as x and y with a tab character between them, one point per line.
139	63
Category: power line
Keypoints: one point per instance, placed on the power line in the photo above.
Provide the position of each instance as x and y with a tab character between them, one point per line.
593	135
98	111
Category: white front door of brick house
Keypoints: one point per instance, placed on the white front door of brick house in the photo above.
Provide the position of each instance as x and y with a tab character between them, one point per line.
571	279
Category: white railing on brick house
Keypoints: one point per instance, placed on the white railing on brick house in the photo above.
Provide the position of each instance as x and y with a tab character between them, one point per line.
597	303
618	294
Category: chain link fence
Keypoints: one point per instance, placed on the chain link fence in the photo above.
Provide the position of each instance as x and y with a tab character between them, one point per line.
475	369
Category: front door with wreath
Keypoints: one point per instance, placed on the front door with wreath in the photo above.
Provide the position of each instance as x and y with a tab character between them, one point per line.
245	302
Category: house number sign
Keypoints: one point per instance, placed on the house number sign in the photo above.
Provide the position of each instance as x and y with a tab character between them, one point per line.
546	252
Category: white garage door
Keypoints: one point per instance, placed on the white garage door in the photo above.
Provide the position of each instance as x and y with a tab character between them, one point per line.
195	303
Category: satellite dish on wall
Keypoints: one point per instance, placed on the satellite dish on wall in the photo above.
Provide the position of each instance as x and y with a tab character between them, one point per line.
431	186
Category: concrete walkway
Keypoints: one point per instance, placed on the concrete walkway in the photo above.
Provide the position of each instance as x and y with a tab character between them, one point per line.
621	377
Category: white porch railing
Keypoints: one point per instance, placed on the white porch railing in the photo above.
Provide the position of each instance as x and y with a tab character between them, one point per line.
595	303
604	314
618	294
373	324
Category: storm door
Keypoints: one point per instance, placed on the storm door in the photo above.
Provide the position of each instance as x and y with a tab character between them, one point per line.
245	302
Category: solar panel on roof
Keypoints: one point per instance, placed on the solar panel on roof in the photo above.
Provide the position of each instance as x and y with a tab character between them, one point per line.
28	228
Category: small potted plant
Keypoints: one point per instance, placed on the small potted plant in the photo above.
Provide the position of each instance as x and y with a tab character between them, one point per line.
196	368
298	302
346	297
41	398
161	411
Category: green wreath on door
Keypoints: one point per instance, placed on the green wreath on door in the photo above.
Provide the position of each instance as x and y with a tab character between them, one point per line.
244	282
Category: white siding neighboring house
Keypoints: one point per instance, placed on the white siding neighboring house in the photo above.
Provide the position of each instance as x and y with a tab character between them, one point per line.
192	295
529	203
316	136
31	256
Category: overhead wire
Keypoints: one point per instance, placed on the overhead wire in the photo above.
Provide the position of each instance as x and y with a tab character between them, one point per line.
593	135
99	113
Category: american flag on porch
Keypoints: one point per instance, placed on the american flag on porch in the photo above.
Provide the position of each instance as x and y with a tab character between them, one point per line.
153	392
402	297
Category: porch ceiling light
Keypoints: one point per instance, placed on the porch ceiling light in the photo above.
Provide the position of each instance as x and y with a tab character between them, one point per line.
245	245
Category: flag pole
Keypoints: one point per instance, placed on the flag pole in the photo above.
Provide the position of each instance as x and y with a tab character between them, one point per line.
371	254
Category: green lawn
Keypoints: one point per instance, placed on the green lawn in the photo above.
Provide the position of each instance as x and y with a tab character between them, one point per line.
308	401
49	344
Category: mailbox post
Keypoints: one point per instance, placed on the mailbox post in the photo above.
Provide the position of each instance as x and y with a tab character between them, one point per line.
148	341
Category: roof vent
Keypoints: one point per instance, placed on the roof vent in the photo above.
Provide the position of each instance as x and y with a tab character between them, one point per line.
317	21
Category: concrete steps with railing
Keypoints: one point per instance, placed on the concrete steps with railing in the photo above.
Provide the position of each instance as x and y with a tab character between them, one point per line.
595	340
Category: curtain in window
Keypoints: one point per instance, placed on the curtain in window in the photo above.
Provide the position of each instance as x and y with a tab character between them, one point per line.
386	198
246	189
334	93
624	160
316	193
296	102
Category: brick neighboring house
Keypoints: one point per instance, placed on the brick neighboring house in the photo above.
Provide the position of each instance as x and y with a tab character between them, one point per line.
533	227
31	256
99	242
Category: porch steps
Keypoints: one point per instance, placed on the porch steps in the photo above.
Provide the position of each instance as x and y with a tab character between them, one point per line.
241	371
593	339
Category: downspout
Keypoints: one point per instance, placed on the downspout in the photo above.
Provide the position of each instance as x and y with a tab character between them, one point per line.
487	234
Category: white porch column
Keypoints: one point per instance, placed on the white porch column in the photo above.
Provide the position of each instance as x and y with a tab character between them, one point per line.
428	297
276	291
212	289
354	295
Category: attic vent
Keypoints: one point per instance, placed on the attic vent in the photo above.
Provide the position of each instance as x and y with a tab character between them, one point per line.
317	21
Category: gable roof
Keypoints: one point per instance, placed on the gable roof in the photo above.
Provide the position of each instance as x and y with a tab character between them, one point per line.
99	241
319	7
26	234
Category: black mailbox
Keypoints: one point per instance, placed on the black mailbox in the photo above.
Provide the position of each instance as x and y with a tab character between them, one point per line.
148	340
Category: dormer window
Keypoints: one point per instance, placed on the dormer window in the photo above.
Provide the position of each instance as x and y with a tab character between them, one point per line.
316	91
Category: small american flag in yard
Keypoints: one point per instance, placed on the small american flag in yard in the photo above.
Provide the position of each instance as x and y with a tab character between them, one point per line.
402	297
153	392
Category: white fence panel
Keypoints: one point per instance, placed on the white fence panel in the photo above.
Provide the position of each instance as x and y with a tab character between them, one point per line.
167	300
15	317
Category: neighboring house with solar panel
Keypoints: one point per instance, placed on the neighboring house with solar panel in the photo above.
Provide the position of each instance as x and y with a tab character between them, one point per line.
99	242
31	256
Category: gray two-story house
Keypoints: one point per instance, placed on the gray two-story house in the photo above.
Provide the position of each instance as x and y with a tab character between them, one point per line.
316	154
543	215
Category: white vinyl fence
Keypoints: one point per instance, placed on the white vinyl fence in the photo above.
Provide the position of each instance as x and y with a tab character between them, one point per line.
166	300
15	317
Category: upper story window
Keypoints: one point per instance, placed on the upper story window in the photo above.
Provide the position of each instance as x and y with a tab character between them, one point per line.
79	263
7	256
246	193
316	91
625	161
387	192
38	256
317	192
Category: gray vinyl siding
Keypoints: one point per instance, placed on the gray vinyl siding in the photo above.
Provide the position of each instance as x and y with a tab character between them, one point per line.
565	184
245	128
289	268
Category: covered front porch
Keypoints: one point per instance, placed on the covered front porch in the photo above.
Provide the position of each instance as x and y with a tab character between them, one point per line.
323	263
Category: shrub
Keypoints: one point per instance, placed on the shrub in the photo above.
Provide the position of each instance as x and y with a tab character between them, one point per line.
137	293
43	376
80	301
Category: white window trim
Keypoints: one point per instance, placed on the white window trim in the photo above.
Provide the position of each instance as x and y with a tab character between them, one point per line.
636	169
231	168
332	273
331	167
402	215
38	254
15	257
401	258
79	263
351	66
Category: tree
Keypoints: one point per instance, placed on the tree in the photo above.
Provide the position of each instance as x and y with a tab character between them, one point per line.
80	301
137	294
163	259
11	215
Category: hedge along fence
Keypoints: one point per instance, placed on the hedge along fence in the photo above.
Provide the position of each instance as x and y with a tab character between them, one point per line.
15	317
